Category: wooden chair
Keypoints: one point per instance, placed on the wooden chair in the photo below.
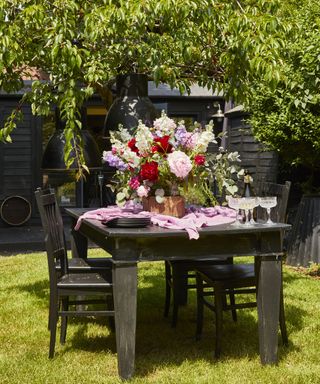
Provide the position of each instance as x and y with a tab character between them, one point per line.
70	291
180	276
216	281
93	264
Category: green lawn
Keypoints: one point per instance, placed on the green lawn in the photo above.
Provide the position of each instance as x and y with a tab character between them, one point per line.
163	355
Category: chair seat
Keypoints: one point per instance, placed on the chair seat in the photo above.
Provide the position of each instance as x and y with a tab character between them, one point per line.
84	281
227	272
91	264
191	265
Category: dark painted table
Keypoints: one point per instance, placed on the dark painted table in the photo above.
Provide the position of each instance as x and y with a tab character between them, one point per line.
128	246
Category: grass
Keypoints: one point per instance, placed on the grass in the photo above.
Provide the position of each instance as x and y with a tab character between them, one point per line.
163	355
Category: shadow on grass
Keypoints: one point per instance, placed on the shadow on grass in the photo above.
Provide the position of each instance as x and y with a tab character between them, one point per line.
160	345
39	289
90	343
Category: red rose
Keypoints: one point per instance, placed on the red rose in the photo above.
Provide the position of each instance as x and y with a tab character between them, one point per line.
199	159
149	171
132	145
162	145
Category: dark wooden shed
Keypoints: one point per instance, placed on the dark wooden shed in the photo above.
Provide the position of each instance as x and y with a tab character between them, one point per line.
261	163
20	161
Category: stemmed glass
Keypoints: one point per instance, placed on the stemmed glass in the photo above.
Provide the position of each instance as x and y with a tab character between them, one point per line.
247	204
268	203
255	205
234	203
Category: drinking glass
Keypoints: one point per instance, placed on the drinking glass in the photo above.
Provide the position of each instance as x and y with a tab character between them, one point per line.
247	204
268	202
234	203
255	205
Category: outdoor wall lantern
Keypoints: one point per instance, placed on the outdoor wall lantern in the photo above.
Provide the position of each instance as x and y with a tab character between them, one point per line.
219	114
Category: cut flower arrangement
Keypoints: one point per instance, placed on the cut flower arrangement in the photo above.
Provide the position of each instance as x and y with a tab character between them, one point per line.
169	159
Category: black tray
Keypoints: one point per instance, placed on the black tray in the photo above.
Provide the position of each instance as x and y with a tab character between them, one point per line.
127	222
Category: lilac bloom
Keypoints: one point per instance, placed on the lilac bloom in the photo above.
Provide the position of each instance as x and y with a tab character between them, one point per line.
181	135
114	161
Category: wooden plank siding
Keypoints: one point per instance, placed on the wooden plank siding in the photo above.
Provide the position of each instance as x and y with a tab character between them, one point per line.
261	164
20	160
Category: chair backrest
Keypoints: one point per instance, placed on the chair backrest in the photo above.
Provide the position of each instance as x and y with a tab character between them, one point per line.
53	228
281	191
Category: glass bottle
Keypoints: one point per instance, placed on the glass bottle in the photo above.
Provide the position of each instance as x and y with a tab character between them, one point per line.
248	190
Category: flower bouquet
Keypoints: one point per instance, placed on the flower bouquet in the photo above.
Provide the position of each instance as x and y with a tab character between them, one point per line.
168	159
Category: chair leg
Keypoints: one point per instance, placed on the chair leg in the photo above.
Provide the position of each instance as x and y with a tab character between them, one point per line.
218	303
174	309
232	303
51	306
282	320
64	321
168	282
53	319
180	291
200	306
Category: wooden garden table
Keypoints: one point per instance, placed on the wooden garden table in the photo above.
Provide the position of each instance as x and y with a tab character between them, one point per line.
128	246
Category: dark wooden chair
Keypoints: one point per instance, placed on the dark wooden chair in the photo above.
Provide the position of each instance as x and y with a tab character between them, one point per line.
72	289
76	264
216	281
180	276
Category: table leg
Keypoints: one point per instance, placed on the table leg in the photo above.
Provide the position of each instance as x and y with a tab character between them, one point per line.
269	285
125	305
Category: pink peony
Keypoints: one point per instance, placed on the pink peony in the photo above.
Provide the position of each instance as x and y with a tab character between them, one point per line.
179	163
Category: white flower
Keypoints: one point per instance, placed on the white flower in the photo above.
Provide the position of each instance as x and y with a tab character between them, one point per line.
234	156
159	194
142	191
164	125
144	138
131	157
124	134
205	138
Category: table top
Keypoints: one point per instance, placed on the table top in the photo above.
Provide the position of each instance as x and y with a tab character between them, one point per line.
156	231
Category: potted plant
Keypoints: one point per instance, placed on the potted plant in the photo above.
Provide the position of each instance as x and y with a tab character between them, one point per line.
168	164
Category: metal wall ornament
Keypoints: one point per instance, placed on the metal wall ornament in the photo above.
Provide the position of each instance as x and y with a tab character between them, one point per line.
55	172
131	104
53	156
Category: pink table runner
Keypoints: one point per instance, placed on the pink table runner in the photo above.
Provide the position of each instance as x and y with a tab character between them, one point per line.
191	222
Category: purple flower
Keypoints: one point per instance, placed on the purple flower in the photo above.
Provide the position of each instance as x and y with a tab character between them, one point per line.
181	135
114	161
